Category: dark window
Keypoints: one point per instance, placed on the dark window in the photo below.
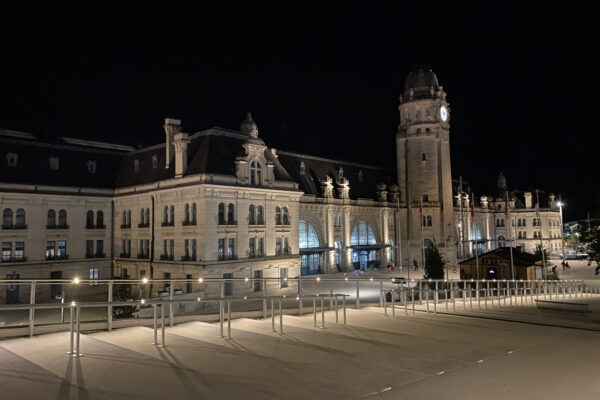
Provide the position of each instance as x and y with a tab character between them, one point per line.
230	215
221	214
277	215
7	218
251	219
20	218
62	218
99	219
51	221
286	216
89	219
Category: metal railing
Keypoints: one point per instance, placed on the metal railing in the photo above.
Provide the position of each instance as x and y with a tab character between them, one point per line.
124	296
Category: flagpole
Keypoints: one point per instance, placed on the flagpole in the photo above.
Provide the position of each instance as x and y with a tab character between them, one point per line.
422	239
473	230
399	231
512	264
539	222
462	220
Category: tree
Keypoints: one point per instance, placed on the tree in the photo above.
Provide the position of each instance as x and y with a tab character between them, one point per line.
538	252
434	263
590	237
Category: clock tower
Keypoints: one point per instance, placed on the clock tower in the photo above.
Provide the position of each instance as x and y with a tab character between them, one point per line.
424	171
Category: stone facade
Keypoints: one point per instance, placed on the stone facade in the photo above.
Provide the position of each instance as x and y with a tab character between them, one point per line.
222	202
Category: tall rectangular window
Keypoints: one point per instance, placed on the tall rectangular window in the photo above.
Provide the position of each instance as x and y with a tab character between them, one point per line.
99	248
6	251
62	249
19	251
251	247
230	249
193	250
257	282
50	249
186	249
278	246
286	247
283	277
171	249
89	248
221	250
94	275
259	247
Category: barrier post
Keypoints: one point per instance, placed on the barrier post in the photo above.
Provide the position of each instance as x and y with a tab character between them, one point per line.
357	295
264	299
280	315
300	294
155	326
272	315
413	300
335	301
110	308
344	304
380	292
315	310
435	298
221	317
77	353
31	310
162	324
322	314
392	293
228	319
71	328
171	314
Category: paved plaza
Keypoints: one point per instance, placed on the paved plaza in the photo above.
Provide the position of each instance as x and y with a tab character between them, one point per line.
373	356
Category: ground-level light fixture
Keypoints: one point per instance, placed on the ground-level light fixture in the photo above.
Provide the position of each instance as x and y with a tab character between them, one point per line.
76	280
200	280
145	280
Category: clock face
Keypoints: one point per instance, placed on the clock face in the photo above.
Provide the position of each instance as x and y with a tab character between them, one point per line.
444	113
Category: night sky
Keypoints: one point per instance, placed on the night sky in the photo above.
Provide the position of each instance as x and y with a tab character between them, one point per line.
319	79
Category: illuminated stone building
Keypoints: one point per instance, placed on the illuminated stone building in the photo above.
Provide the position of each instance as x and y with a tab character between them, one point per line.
222	203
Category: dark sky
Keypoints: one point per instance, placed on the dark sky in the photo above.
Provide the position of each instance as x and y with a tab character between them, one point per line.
319	78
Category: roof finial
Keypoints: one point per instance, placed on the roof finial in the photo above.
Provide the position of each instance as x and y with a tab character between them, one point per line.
249	127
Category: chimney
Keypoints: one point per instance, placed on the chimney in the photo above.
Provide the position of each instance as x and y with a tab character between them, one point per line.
180	143
172	127
527	199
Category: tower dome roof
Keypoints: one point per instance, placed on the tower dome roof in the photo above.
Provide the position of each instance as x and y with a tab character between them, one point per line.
421	77
249	127
422	83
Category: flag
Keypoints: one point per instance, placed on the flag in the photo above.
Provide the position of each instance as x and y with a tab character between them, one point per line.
472	206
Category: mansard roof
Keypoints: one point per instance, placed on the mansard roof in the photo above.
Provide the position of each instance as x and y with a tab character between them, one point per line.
71	169
316	169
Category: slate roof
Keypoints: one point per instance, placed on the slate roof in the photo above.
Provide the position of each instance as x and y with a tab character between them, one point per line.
33	162
317	168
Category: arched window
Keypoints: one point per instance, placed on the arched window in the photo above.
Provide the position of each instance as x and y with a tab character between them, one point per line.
286	216
172	215
362	234
99	219
20	218
429	220
89	219
129	217
124	222
221	214
307	235
501	241
166	215
194	213
255	173
277	215
338	252
147	217
259	216
62	218
251	219
142	222
230	215
519	222
186	214
51	220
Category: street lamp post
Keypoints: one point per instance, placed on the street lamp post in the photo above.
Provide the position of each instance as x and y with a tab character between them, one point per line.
562	239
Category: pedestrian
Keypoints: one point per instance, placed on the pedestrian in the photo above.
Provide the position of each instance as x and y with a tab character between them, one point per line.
416	265
567	265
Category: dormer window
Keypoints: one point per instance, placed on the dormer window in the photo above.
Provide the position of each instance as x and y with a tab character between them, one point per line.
341	174
302	168
11	159
360	176
154	161
91	166
255	173
136	165
54	163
